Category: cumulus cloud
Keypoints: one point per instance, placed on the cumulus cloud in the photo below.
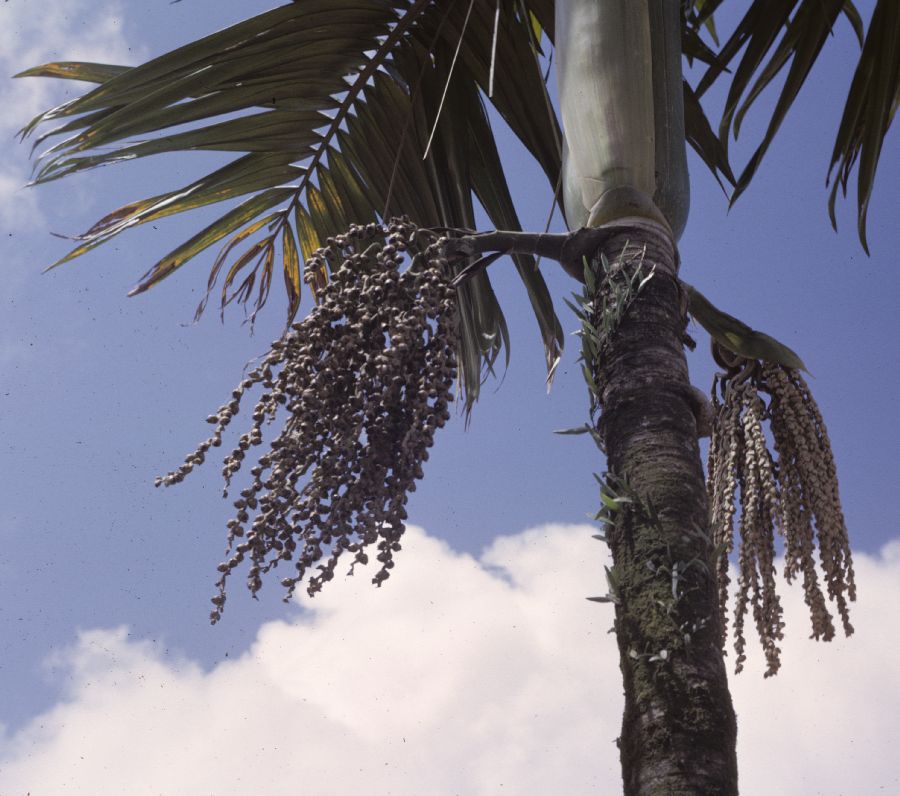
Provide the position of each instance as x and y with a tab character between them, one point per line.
31	34
460	676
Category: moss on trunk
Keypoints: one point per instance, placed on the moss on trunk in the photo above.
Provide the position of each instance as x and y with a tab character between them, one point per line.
679	729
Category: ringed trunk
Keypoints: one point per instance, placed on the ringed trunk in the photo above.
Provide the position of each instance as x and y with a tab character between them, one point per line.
679	729
620	89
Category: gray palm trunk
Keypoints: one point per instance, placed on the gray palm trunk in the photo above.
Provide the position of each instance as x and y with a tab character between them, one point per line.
678	732
620	86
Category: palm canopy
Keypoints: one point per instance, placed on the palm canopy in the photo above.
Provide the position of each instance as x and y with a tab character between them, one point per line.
351	110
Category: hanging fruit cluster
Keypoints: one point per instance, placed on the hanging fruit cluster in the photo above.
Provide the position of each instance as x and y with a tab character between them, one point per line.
360	386
791	489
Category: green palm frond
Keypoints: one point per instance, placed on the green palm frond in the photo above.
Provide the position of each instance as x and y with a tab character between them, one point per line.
331	104
344	111
698	14
341	111
868	112
792	34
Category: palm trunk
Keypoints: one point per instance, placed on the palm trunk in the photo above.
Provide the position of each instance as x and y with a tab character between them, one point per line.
620	89
678	732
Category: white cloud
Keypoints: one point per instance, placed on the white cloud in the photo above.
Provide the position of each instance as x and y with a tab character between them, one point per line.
18	207
56	30
459	676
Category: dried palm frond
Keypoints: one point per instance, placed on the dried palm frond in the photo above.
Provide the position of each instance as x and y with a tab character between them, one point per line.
792	487
366	381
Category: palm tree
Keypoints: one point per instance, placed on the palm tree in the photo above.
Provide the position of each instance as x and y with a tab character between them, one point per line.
358	111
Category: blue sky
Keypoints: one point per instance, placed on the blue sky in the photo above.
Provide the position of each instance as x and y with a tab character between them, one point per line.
105	581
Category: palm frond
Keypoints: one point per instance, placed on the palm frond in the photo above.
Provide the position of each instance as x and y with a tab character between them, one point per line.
703	140
699	14
868	112
331	104
792	34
